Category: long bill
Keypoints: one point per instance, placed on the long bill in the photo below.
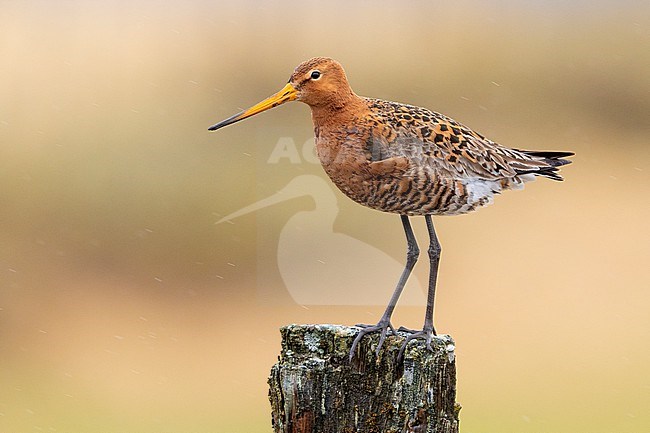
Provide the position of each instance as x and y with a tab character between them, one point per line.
288	93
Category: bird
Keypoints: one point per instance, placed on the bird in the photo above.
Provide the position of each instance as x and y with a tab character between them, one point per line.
312	267
403	159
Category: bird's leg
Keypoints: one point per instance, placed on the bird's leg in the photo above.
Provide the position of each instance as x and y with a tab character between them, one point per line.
384	323
428	331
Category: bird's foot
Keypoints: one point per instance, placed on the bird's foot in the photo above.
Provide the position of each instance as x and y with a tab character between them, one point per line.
426	334
383	326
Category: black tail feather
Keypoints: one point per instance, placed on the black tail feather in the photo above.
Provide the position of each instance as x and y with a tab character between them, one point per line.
553	159
548	154
550	172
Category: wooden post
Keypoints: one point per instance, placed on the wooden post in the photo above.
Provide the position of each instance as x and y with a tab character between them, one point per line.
314	388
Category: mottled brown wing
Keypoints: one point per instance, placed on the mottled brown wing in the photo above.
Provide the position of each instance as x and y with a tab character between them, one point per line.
436	142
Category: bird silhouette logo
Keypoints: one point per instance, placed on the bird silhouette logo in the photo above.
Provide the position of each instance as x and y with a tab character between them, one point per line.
314	261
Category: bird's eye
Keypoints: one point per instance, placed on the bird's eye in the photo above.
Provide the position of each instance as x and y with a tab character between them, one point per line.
315	75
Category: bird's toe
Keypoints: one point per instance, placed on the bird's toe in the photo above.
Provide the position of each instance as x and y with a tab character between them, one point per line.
384	326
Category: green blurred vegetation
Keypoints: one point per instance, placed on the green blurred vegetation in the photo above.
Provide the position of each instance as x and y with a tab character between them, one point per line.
124	308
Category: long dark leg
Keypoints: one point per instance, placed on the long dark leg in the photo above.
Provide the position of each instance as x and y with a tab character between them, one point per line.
384	324
434	259
428	331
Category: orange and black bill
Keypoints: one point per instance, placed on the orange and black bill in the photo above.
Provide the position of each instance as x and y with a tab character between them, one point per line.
288	93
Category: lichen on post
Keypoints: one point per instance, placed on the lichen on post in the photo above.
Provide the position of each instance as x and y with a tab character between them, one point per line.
314	387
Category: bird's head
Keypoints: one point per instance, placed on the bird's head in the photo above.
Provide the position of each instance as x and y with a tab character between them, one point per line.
318	82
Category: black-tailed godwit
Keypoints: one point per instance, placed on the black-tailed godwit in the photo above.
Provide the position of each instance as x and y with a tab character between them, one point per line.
406	160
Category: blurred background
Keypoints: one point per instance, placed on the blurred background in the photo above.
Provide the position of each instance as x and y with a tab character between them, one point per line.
124	307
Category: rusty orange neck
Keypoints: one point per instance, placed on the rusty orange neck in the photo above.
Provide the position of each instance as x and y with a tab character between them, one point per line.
342	111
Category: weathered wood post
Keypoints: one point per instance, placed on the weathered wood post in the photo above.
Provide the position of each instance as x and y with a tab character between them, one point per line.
314	388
